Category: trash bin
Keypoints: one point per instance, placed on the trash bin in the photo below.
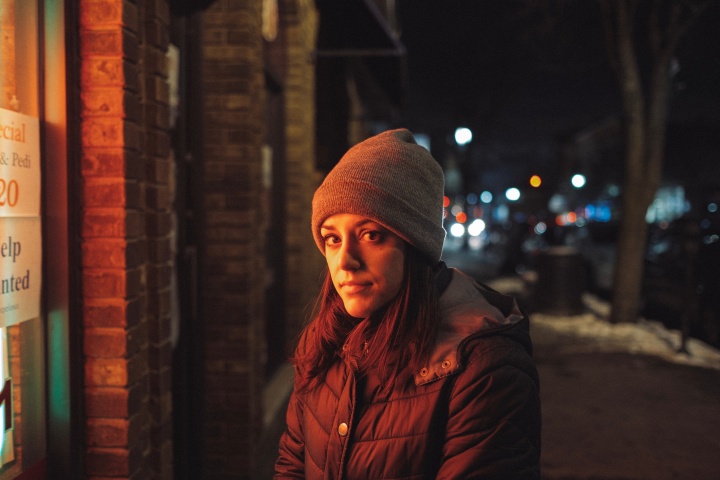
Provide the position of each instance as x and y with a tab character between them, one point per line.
560	281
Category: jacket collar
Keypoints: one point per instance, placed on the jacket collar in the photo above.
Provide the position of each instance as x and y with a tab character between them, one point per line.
467	310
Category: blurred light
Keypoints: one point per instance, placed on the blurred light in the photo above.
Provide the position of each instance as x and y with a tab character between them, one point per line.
502	212
712	207
456	209
472	198
557	203
540	228
614	190
571	217
463	136
475	243
709	239
476	227
705	223
457	230
580	222
446	201
535	181
578	181
486	197
512	194
461	217
422	139
560	220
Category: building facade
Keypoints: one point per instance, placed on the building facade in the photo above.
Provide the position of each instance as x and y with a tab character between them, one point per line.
157	163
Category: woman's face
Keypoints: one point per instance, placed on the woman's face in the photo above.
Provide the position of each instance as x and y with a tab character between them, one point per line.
366	262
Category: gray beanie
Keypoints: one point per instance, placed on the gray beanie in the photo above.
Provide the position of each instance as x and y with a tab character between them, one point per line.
392	180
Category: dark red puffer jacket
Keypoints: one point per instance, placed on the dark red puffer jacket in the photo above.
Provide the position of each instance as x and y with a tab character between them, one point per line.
473	412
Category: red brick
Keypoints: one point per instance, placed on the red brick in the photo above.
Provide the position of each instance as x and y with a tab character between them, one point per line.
158	276
161	385
159	224
157	143
104	283
157	89
104	192
105	342
156	62
106	372
103	162
103	132
103	72
107	461
158	9
106	312
160	356
156	34
158	197
137	368
159	250
135	285
137	338
159	328
107	432
106	43
100	12
157	116
104	252
106	402
106	102
159	302
131	47
104	222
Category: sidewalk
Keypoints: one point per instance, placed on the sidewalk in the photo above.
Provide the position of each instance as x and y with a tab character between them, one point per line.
618	402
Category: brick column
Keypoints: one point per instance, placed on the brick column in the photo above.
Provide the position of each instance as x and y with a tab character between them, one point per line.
159	168
125	237
233	269
304	261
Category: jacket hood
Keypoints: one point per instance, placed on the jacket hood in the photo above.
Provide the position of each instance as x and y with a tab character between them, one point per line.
470	310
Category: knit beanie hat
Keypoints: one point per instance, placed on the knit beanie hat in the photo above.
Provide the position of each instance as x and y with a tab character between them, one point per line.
392	180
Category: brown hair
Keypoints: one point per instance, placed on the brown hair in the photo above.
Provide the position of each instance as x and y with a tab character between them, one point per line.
398	336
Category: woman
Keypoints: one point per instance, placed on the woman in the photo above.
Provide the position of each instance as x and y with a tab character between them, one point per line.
408	369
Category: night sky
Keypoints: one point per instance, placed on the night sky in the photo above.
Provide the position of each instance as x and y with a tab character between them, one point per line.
524	81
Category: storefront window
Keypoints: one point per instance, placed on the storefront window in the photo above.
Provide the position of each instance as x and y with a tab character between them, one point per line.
22	352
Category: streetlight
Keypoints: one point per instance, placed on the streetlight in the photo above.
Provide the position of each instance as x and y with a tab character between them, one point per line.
463	136
578	180
512	194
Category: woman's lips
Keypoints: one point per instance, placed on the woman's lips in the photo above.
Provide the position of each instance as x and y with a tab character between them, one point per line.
354	287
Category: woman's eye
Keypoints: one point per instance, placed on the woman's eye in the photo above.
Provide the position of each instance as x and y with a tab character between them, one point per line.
331	239
373	235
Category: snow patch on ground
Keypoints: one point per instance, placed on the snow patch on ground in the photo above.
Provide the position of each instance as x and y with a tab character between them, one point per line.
593	333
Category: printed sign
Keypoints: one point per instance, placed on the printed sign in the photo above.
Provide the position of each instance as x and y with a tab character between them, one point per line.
19	165
20	269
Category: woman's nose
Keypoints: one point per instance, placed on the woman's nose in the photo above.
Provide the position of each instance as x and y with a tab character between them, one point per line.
349	257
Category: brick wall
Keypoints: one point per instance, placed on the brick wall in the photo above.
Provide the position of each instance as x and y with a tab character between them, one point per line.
154	97
125	238
232	286
304	262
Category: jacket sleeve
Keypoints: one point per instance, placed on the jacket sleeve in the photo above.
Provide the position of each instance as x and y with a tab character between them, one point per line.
291	458
493	427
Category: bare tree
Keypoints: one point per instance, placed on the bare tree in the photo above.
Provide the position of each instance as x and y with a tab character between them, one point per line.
654	28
